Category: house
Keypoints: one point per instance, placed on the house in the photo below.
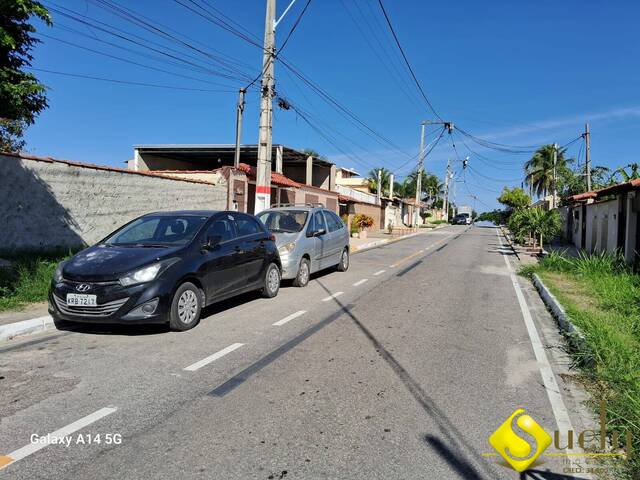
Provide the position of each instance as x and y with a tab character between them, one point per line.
605	220
296	177
349	178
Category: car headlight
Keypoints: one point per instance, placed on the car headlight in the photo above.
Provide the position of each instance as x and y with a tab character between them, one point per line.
57	274
287	248
143	275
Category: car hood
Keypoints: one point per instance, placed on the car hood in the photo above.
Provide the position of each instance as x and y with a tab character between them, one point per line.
104	263
285	237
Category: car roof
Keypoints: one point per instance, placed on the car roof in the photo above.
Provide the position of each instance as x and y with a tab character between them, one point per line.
198	213
307	208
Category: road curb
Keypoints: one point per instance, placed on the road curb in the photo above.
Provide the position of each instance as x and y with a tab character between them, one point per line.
574	335
25	327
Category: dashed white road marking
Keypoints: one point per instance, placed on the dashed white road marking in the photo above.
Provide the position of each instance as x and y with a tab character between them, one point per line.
360	282
289	318
379	272
548	378
337	294
211	358
56	437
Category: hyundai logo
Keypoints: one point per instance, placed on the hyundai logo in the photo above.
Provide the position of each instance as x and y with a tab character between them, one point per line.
83	287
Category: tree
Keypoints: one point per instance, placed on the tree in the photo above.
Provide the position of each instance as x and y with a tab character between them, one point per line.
431	185
541	224
628	172
539	169
372	179
514	198
22	96
313	153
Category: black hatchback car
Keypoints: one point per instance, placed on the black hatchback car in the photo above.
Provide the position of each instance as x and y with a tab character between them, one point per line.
165	267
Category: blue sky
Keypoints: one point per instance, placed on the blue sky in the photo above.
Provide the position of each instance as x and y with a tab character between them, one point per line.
518	73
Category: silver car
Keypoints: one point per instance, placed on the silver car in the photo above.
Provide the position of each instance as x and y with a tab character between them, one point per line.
309	239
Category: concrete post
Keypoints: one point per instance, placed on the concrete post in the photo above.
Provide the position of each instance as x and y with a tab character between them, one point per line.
279	155
631	229
309	173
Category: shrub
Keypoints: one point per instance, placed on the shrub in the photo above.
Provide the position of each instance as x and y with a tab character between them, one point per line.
363	221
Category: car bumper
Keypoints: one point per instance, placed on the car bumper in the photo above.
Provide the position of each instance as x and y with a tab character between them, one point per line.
290	265
116	305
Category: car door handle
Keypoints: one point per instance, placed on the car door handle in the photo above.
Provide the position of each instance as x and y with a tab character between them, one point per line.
238	249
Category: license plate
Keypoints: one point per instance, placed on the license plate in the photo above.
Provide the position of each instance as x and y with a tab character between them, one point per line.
81	300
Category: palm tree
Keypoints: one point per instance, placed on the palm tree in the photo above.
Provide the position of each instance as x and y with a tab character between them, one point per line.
539	168
431	185
632	174
372	179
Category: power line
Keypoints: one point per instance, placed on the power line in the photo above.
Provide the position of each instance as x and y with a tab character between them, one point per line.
406	60
125	82
132	62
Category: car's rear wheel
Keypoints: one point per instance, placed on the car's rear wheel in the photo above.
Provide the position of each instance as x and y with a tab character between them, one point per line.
304	272
272	278
343	266
185	307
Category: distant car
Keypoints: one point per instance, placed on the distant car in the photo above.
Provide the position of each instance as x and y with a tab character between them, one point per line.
309	239
462	219
165	268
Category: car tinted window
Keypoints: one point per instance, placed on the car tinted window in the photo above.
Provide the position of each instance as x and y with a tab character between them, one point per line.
333	221
247	226
223	227
161	230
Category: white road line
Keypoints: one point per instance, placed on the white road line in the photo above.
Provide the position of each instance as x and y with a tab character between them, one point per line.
380	272
550	384
360	282
58	434
289	318
337	294
215	356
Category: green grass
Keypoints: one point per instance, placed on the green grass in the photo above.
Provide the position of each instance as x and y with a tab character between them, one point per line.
601	295
28	278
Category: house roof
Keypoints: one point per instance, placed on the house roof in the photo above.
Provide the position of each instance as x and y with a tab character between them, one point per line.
223	153
276	178
613	189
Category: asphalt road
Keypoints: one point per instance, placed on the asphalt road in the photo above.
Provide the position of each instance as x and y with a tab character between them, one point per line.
399	368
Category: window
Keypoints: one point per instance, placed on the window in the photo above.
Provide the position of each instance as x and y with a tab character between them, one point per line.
223	228
247	226
318	221
333	221
158	230
288	221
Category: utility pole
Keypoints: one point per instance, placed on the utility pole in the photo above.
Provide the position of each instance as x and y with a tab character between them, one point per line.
416	212
267	91
445	202
379	192
239	114
587	141
555	161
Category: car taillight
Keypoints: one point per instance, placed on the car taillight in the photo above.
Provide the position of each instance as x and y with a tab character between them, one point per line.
272	237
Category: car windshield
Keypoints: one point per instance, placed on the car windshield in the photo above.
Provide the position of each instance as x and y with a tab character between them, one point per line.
157	231
287	221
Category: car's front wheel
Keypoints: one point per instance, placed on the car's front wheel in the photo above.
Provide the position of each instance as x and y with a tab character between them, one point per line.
304	271
271	285
185	307
343	266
